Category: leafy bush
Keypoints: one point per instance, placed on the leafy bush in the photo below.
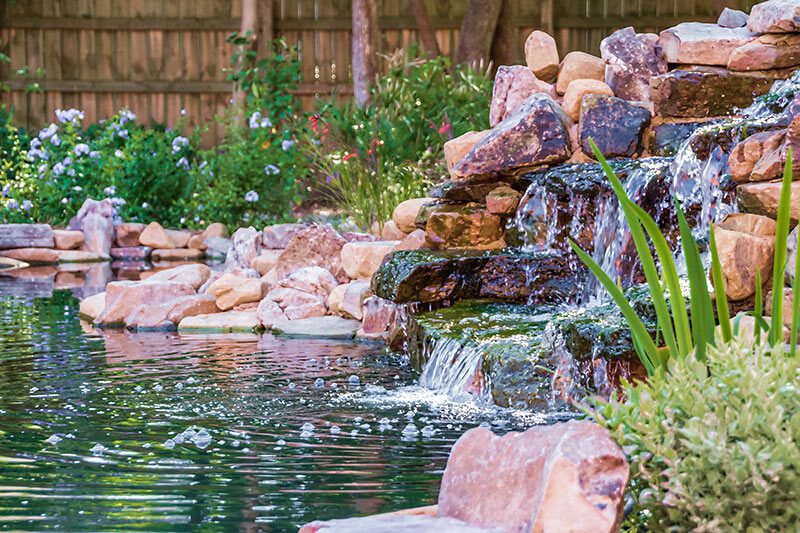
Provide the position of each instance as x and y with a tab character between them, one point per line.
145	171
713	445
255	174
368	160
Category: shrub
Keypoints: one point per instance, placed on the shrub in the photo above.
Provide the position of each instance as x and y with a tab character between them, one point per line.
713	445
255	174
371	159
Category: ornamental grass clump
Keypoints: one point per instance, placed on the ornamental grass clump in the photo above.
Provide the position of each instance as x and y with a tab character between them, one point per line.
713	445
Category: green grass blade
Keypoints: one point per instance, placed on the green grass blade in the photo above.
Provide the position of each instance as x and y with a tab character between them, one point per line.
795	299
758	310
683	330
781	241
699	300
645	347
723	312
663	315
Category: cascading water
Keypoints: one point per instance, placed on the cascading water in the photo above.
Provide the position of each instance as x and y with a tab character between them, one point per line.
576	201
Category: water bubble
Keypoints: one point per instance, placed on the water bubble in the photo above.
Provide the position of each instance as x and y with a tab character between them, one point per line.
308	426
306	434
188	433
179	386
202	439
410	430
384	421
353	381
319	383
169	444
138	388
484	425
354	432
245	450
98	449
179	439
53	439
147	445
281	442
158	388
291	386
357	419
428	431
364	426
335	430
191	380
236	444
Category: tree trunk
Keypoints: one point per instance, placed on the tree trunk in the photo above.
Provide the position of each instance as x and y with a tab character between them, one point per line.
426	35
365	26
477	31
505	45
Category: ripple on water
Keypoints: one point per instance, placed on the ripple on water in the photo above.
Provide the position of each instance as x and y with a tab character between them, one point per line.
159	431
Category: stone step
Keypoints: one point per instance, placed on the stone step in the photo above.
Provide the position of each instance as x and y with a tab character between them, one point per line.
26	236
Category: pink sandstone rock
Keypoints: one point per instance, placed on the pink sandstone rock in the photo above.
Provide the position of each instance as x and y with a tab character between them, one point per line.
177	254
577	90
698	43
631	60
775	16
313	280
579	66
67	239
127	234
194	275
155	236
318	245
168	314
541	55
456	149
512	85
775	50
245	245
566	477
125	297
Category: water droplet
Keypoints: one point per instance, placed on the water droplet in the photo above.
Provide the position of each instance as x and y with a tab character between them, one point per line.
169	444
428	431
158	388
236	444
319	383
179	439
291	386
98	449
353	381
53	439
410	430
335	430
308	426
281	442
202	439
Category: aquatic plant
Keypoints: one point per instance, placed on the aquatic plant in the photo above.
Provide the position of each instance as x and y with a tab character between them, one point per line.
684	336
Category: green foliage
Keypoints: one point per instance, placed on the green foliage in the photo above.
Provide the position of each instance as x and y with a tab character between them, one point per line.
255	175
368	160
681	336
713	445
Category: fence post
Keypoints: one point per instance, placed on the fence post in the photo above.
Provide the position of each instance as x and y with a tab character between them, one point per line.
266	31
546	23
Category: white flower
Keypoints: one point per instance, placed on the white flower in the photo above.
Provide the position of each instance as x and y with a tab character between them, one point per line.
145	205
119	153
287	144
65	201
77	188
178	143
182	163
81	149
271	170
254	120
251	196
110	190
183	112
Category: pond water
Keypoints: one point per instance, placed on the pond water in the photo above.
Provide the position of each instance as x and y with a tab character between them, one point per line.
108	430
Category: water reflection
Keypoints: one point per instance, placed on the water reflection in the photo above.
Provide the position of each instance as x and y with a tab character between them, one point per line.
161	431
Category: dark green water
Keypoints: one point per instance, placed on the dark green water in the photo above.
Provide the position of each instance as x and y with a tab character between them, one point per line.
91	425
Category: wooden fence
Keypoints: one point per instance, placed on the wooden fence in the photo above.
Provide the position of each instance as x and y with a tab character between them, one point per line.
159	57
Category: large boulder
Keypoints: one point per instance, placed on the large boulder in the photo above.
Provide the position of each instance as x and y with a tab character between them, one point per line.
277	237
104	208
577	90
194	275
127	234
747	154
33	256
98	234
566	477
135	253
125	297
266	261
155	236
92	306
698	43
231	290
742	255
464	226
512	85
776	50
380	316
695	92
313	280
318	245
167	315
617	126
214	230
456	149
26	236
535	134
631	60
579	66
763	199
245	245
361	259
290	304
775	16
541	55
330	327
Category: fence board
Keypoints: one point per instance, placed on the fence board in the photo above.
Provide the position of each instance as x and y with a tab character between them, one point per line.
161	56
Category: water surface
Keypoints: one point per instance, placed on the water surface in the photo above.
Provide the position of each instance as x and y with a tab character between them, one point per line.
105	431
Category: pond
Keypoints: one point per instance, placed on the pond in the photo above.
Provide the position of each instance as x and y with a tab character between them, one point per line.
109	430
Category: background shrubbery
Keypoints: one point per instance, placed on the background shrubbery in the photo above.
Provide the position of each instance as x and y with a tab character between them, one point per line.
273	159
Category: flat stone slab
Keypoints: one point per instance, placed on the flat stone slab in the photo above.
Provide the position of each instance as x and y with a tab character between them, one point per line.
26	236
394	524
230	321
131	252
47	256
328	327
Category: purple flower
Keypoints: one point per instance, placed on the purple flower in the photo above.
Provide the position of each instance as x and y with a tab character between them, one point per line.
287	144
12	204
73	116
271	170
81	149
26	205
55	140
123	134
6	189
94	154
58	169
48	132
182	163
251	196
126	116
178	143
110	190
